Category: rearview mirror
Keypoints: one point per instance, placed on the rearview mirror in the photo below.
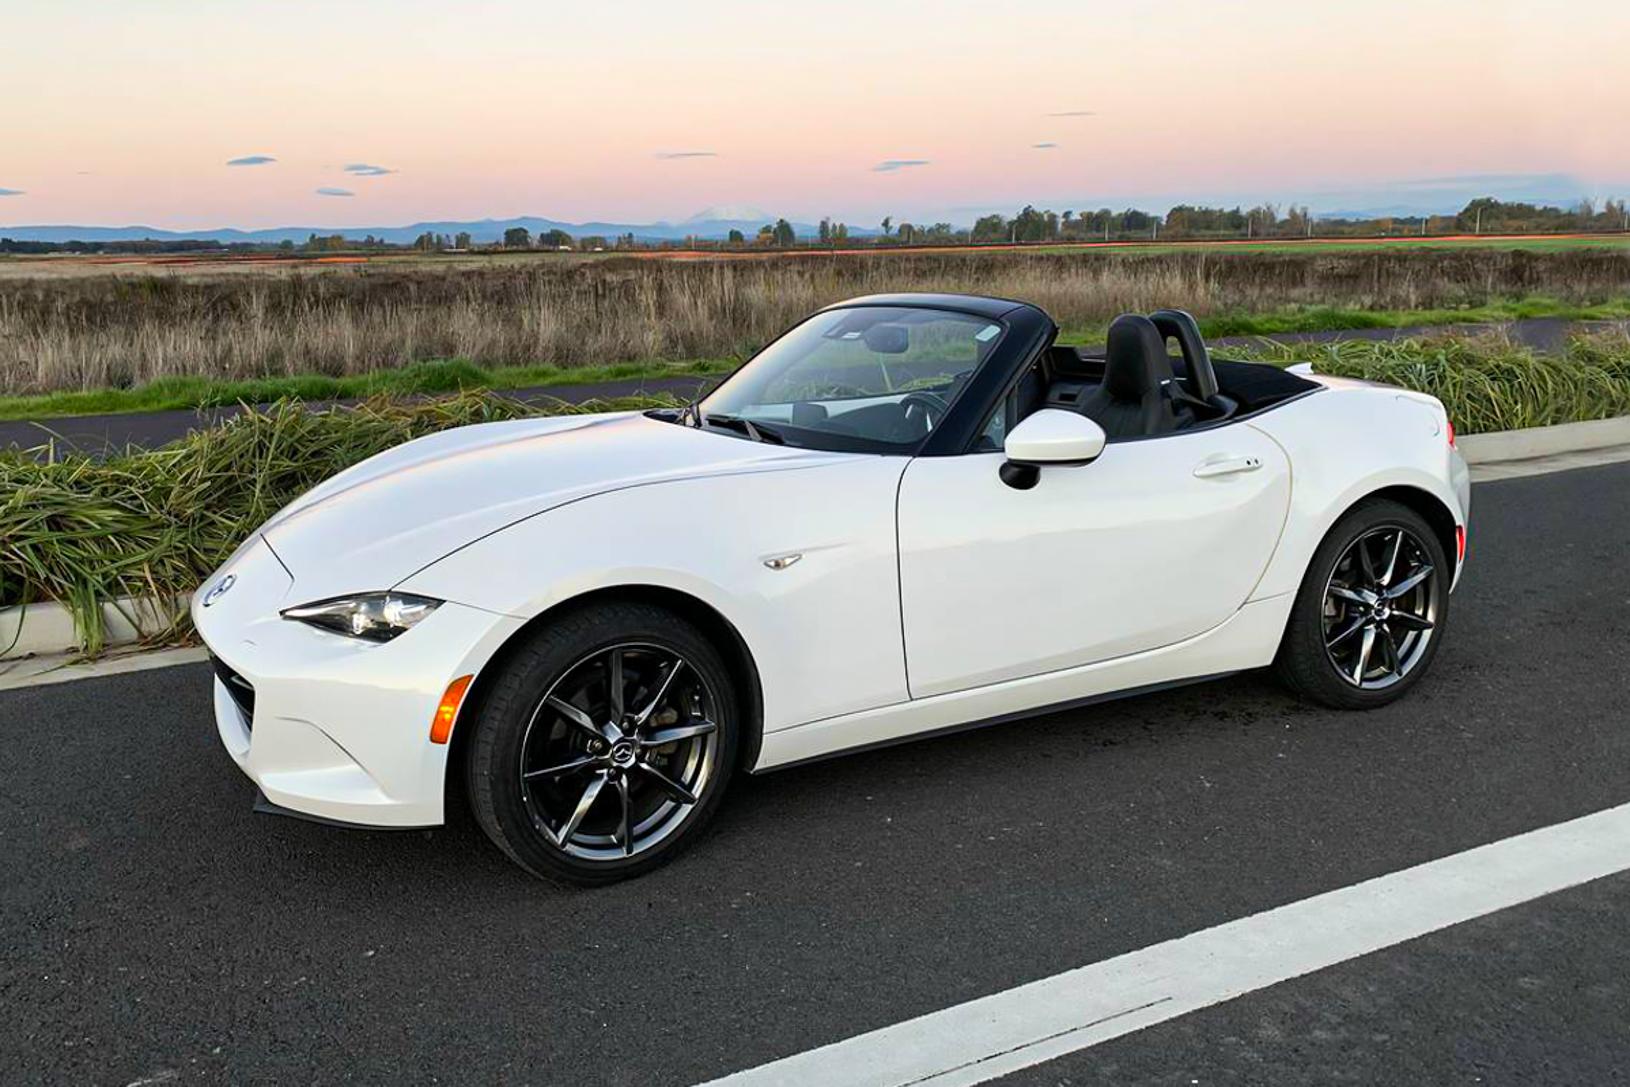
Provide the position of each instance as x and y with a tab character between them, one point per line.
888	339
1049	436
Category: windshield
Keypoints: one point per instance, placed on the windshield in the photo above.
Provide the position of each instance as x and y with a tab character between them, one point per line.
868	379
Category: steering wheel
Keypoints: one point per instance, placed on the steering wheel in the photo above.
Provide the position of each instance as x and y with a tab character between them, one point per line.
931	406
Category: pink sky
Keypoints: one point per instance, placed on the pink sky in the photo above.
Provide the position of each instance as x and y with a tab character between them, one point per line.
119	112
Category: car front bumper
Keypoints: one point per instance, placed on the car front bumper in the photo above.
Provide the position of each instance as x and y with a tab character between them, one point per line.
329	726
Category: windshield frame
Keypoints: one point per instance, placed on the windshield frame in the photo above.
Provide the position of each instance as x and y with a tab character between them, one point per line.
999	360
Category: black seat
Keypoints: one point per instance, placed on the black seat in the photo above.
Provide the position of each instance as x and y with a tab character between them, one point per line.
1132	401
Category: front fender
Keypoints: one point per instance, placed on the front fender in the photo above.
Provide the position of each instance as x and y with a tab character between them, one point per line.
824	630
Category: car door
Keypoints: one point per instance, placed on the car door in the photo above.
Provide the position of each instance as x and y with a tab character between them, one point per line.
1157	540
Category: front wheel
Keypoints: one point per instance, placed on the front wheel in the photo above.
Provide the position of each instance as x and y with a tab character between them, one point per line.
605	744
1371	611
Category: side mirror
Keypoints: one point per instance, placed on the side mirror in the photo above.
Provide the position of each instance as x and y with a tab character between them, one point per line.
1049	436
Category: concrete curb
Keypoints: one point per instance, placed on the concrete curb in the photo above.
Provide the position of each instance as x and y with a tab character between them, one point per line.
1545	441
44	671
48	628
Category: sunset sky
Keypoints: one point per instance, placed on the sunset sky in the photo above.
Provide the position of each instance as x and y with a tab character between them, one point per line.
390	111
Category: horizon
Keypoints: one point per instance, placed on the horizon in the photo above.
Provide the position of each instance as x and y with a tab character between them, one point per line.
401	113
1555	191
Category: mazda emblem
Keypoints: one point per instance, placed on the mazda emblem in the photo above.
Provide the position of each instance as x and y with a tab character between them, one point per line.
219	589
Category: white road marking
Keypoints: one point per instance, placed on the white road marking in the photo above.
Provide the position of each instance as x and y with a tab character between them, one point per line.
1007	1031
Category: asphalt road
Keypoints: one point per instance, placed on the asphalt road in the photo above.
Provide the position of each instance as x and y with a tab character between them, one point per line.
151	926
100	433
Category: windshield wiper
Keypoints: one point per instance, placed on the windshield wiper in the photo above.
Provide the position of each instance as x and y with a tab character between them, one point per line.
759	432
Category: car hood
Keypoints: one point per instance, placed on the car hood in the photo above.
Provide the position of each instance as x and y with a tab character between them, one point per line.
379	521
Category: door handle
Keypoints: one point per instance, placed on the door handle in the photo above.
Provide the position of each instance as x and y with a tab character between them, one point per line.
1226	466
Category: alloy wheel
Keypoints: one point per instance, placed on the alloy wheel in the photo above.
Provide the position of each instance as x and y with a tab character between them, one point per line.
1380	607
617	753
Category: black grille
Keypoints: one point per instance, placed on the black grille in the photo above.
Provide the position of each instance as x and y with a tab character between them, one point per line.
241	690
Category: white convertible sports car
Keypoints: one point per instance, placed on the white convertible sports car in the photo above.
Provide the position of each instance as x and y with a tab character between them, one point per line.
908	514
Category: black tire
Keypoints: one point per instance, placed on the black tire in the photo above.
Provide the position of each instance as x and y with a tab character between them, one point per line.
516	730
1309	668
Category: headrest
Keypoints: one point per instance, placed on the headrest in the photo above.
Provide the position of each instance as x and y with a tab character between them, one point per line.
1136	364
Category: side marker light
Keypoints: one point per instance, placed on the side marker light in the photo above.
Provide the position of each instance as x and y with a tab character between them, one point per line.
441	725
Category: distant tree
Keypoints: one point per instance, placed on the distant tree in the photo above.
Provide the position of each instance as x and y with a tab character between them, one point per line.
591	243
766	235
517	237
906	232
840	232
554	239
1031	226
989	228
1262	220
463	240
1136	222
825	230
736	237
887	221
784	234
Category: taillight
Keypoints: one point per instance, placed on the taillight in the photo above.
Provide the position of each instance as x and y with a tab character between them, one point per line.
1451	425
1460	543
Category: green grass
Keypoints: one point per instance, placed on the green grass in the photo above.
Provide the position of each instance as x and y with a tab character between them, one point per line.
416	379
1486	382
86	531
1537	243
1341	318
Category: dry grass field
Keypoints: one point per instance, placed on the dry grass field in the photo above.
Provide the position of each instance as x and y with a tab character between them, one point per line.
91	324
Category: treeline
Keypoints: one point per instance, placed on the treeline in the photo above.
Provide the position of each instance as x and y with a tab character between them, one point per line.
1189	222
1182	222
1484	215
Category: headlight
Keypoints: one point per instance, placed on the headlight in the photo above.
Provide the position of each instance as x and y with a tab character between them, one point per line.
377	617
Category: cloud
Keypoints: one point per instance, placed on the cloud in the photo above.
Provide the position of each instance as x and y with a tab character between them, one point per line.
1045	145
363	169
11	192
890	165
1075	113
251	160
687	154
327	190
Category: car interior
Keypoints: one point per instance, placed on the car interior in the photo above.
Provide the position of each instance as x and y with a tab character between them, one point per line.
1137	389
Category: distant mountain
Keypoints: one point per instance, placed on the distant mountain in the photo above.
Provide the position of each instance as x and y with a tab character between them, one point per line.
730	213
712	224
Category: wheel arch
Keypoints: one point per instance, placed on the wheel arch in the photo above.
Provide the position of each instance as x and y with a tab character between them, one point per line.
720	630
1433	510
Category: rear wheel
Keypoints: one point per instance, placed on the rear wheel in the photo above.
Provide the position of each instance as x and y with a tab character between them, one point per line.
605	745
1371	611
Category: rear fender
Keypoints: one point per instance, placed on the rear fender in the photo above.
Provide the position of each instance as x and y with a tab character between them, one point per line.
1345	446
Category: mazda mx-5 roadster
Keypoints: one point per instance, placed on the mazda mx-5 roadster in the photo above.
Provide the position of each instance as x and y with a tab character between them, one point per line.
906	515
